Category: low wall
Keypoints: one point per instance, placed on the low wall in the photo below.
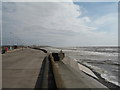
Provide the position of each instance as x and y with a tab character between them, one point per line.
58	79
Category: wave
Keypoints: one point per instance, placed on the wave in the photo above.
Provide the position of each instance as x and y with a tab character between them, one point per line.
108	62
104	74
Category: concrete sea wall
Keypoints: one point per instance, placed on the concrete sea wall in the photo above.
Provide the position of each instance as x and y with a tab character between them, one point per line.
68	75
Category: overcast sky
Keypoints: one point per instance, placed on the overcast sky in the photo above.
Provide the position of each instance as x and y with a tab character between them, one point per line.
60	24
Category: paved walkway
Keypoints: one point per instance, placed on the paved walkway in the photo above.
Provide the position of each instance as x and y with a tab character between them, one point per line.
21	68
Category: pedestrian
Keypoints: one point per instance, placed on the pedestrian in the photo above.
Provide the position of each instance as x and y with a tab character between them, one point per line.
3	50
6	49
10	48
61	55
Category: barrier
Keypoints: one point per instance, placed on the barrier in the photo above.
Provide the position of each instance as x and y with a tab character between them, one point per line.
67	76
58	79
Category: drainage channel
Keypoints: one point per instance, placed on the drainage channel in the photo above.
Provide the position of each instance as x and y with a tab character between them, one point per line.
46	77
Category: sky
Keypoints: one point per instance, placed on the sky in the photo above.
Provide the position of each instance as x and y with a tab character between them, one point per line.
60	23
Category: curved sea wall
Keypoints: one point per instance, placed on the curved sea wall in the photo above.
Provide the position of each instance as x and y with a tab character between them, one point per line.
68	74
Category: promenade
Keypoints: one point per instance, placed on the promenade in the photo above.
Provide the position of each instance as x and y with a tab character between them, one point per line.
21	68
32	68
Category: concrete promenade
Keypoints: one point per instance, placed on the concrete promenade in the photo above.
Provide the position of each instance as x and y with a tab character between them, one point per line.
21	68
32	68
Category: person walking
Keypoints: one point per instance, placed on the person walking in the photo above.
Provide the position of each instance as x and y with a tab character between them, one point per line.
6	49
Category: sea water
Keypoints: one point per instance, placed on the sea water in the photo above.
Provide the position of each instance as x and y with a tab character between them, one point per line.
103	60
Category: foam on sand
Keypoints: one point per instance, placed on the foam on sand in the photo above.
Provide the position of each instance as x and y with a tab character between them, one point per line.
86	70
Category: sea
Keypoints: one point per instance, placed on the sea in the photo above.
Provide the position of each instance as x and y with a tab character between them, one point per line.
103	60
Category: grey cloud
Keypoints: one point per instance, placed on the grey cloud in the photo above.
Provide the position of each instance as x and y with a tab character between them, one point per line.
54	24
